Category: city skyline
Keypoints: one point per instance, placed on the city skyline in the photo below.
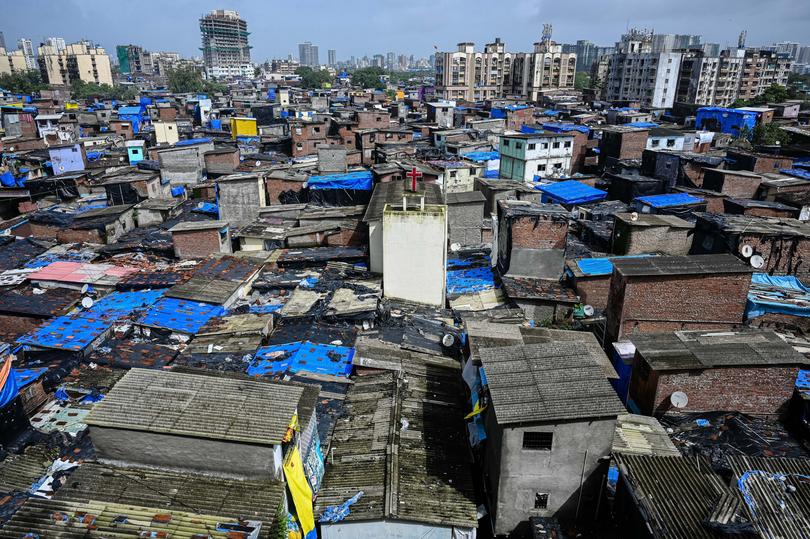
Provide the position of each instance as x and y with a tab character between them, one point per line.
410	32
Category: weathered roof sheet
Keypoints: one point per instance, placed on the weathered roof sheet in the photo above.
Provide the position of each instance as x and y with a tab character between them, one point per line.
234	498
392	192
684	350
642	435
417	472
54	518
675	495
775	493
198	406
680	265
547	382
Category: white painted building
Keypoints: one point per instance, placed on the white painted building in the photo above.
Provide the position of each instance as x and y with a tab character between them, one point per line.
415	251
661	138
635	73
524	156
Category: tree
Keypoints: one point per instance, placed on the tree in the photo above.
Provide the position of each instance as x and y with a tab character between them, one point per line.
770	134
84	90
581	80
313	79
369	77
26	82
187	79
775	93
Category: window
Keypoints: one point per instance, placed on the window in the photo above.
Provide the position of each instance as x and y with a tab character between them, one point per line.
544	145
518	145
541	168
452	173
670	143
538	440
555	145
567	144
540	500
654	142
506	143
532	146
557	166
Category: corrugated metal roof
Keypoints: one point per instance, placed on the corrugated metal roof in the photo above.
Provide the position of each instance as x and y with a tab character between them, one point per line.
250	499
681	265
198	406
674	495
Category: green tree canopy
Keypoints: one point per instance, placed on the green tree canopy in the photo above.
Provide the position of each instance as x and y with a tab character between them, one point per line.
187	79
581	80
770	134
775	93
84	90
26	82
368	77
311	78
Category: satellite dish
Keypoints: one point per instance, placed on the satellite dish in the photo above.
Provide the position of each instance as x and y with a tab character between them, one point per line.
258	163
679	399
757	261
588	310
85	288
87	302
448	340
746	250
455	247
634	216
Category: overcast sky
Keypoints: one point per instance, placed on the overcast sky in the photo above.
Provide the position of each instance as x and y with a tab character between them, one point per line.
358	27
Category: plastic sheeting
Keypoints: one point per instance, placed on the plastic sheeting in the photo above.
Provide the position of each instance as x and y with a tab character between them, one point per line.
570	192
180	315
358	181
666	201
9	389
777	294
300	492
302	357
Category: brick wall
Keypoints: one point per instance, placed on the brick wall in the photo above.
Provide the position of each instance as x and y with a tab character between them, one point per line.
64	235
755	390
734	185
352	233
276	186
650	304
222	162
538	232
632	240
372	119
783	256
196	244
593	291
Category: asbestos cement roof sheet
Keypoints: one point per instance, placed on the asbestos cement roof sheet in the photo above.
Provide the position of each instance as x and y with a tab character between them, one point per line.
198	406
547	382
680	265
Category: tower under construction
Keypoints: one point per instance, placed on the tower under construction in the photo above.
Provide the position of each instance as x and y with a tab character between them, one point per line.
225	47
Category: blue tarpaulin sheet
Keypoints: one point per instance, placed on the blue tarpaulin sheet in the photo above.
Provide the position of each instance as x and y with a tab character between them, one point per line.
10	388
215	123
73	333
207	207
492	174
777	294
647	125
556	127
180	315
803	380
120	304
360	181
178	191
465	276
192	141
796	173
28	376
665	201
302	357
570	192
593	267
480	157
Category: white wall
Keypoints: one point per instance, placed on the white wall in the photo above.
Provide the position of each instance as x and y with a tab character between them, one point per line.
414	254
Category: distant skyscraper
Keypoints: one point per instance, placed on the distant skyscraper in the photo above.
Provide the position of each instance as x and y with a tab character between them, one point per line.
332	57
27	49
672	42
308	54
2	41
390	60
225	47
57	43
